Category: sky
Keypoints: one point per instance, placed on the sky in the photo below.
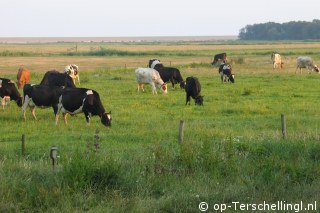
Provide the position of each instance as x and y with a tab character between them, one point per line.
121	18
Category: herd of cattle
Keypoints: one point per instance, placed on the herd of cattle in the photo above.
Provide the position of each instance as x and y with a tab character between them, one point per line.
58	90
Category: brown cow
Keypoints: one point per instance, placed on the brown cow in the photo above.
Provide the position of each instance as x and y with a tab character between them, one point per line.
23	77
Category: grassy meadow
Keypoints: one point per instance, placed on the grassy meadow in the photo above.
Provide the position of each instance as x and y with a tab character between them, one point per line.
232	151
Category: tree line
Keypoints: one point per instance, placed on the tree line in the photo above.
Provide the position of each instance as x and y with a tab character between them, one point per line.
294	30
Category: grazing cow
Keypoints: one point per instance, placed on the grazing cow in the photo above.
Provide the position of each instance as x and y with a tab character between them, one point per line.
276	60
23	77
40	96
167	73
193	89
225	71
55	78
219	57
152	77
306	62
76	100
73	71
9	91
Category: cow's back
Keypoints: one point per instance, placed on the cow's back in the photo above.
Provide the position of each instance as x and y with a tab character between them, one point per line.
303	61
55	78
146	75
193	86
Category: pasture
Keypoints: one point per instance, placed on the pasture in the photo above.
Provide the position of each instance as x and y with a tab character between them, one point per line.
232	151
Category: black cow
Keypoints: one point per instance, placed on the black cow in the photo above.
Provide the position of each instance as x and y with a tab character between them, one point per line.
193	89
55	78
167	73
40	96
225	71
219	57
9	89
76	100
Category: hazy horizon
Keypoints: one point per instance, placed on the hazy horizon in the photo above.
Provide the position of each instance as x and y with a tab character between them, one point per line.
144	18
115	39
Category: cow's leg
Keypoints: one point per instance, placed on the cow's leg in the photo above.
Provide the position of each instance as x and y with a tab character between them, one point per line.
33	112
140	86
55	111
187	99
154	89
3	102
24	106
64	115
172	82
59	106
87	115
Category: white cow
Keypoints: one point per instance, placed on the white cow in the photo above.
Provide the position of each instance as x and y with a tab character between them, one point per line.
306	62
152	77
72	71
276	60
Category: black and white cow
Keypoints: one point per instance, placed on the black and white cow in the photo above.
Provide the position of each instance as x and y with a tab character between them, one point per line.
55	78
40	96
219	57
77	100
167	73
9	91
193	89
225	71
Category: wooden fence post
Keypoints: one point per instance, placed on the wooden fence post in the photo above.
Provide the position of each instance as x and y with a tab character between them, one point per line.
283	126
181	126
54	156
23	145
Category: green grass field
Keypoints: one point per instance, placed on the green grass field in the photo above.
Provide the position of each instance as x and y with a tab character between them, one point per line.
232	151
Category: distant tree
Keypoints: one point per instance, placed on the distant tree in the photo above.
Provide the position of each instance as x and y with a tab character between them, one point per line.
294	30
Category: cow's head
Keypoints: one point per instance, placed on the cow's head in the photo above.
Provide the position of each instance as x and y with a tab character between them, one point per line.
11	90
182	84
164	88
316	68
19	101
199	100
231	78
106	118
71	70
